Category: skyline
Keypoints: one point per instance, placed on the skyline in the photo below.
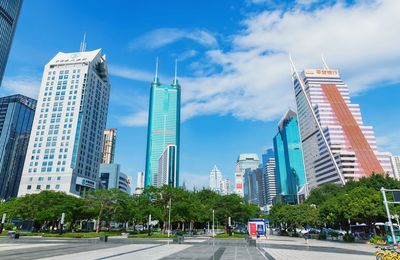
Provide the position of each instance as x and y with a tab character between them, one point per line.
228	78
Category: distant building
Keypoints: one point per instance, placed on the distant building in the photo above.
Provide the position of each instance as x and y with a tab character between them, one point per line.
255	186
225	187
163	126
64	152
167	167
108	147
269	153
337	146
16	118
290	174
244	161
9	13
396	166
111	177
215	179
139	183
271	180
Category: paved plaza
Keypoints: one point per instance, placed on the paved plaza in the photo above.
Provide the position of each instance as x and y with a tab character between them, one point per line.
200	248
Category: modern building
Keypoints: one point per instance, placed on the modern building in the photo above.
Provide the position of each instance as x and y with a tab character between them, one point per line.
271	180
225	187
255	186
167	167
108	147
111	177
215	180
9	13
269	153
395	160
290	175
64	151
163	126
16	118
139	183
337	146
244	161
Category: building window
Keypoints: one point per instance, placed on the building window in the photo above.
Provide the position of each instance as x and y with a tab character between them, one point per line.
58	178
57	186
38	187
48	187
49	178
29	187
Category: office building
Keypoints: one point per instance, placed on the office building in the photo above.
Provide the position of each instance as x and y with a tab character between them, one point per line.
9	13
215	180
255	190
225	187
167	167
290	175
337	146
108	147
244	161
111	177
64	151
395	160
16	118
163	126
270	180
139	183
269	153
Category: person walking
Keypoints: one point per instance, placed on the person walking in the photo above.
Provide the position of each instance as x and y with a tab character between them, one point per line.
305	235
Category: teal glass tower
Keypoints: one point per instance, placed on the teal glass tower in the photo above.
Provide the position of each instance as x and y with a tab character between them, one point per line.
290	173
163	126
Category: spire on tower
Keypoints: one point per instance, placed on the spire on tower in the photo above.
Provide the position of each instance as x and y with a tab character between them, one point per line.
175	82
156	75
83	43
324	62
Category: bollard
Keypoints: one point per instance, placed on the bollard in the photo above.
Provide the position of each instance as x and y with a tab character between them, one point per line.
104	238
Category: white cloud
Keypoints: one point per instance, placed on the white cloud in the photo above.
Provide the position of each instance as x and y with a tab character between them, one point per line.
129	73
27	85
252	79
187	55
136	119
164	36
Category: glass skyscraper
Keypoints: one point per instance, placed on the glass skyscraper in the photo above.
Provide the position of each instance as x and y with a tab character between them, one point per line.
163	126
290	174
16	118
9	12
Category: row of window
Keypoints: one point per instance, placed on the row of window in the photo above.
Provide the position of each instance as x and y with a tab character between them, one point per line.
42	178
39	187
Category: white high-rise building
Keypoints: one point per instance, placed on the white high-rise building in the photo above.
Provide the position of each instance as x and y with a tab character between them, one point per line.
271	180
225	187
139	183
337	146
244	161
396	166
215	179
64	150
167	167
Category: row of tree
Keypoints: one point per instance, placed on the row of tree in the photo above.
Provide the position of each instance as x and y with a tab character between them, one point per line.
188	209
338	206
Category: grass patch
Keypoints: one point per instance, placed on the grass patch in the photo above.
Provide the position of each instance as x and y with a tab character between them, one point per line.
154	235
235	235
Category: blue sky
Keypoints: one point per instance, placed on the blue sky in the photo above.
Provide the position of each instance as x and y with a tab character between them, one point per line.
233	66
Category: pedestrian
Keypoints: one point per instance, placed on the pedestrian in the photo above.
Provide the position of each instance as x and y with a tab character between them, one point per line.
305	235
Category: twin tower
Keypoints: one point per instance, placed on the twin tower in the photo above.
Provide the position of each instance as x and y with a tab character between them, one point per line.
163	133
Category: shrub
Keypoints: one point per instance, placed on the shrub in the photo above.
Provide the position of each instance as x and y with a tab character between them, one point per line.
8	226
295	235
322	236
377	240
348	238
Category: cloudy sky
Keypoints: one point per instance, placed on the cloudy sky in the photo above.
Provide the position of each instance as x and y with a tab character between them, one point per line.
233	66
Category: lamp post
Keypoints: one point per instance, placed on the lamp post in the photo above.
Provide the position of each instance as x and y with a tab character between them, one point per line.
62	222
148	226
3	219
169	218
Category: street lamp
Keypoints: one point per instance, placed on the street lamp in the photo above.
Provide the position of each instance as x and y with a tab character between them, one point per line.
169	217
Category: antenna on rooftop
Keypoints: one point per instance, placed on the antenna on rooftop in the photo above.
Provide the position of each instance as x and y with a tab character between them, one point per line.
83	44
324	62
176	72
